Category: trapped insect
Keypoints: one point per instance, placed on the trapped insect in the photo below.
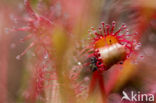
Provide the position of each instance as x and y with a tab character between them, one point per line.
110	47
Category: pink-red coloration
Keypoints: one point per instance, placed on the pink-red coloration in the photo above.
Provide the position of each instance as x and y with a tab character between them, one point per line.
39	27
109	48
112	47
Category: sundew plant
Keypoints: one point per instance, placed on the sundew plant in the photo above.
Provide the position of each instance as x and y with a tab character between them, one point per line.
77	51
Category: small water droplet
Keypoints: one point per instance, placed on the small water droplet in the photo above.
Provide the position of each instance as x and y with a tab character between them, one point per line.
102	23
46	99
6	30
79	63
58	9
107	26
46	56
86	79
137	47
149	51
33	54
13	18
18	57
36	24
113	23
20	6
13	45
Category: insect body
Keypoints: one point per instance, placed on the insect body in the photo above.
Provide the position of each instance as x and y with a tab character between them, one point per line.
112	54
